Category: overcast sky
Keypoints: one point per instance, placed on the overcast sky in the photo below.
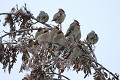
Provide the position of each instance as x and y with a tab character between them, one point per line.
102	16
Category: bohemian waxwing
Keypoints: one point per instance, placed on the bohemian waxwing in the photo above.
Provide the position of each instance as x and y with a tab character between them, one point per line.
59	17
38	33
76	51
53	33
43	17
92	37
77	38
59	39
74	31
44	38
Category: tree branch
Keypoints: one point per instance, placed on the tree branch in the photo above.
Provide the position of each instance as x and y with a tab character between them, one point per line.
6	13
60	75
18	31
27	15
40	22
116	77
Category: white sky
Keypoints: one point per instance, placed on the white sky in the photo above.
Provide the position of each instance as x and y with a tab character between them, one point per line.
103	16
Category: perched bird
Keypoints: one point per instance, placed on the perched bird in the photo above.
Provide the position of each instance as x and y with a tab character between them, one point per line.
59	17
53	33
44	38
59	39
92	37
74	31
77	38
76	51
38	33
43	17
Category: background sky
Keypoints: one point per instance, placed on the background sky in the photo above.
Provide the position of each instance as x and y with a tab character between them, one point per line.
102	16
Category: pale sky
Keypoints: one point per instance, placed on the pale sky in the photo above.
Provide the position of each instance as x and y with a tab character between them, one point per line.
102	16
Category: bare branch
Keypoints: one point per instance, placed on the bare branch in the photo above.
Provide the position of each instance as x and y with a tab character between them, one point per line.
7	13
40	22
116	77
60	75
18	31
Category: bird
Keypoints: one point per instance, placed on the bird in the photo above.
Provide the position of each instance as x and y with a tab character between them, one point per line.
38	33
59	39
53	32
76	51
74	31
43	17
59	17
92	37
44	38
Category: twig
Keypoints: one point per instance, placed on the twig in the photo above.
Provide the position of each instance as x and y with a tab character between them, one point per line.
10	43
60	75
6	13
40	22
18	31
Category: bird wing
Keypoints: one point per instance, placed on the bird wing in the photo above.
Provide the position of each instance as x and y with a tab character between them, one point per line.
60	40
56	16
43	38
91	35
71	28
96	39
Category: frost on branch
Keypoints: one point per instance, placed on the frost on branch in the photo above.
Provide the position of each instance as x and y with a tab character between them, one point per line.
49	49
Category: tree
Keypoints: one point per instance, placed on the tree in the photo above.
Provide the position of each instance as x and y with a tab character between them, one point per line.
42	55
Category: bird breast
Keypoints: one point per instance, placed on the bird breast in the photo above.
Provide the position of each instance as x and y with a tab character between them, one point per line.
76	52
59	39
53	33
43	38
59	18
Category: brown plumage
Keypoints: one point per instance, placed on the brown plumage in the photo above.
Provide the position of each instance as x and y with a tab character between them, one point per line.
44	38
74	31
53	33
59	39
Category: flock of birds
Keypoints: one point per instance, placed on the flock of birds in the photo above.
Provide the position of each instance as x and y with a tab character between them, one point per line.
57	37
